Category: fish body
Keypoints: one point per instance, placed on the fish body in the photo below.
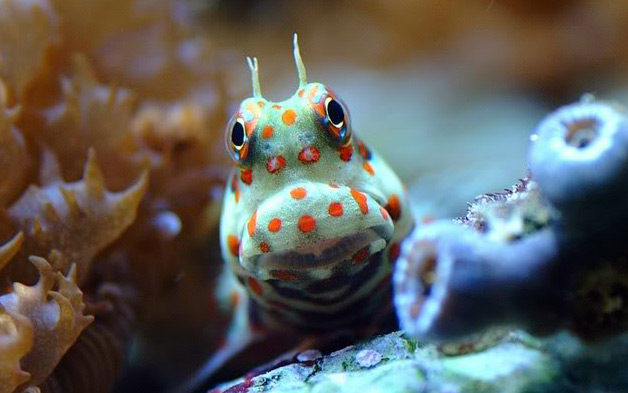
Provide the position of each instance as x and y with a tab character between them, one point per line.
312	217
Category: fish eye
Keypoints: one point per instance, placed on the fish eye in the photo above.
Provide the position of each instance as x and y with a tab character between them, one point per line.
238	136
335	113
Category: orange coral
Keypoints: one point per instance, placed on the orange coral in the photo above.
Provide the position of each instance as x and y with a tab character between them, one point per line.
76	219
57	322
132	83
16	340
89	115
13	152
28	33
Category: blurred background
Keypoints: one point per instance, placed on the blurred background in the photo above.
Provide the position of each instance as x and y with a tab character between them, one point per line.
447	91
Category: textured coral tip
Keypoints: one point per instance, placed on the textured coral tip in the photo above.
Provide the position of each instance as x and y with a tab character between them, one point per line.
93	176
10	248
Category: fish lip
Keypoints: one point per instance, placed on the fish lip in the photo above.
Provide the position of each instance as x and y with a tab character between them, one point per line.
301	259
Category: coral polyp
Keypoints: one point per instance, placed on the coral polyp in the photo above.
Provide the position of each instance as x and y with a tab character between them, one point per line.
546	255
446	271
580	162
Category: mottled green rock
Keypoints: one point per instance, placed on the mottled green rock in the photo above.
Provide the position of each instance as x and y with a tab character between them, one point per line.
518	364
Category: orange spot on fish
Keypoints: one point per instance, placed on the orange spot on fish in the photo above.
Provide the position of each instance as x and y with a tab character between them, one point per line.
251	226
346	152
364	151
394	207
361	200
298	193
267	132
289	117
274	225
319	108
275	164
335	209
233	244
309	155
246	176
307	223
234	188
368	168
277	107
264	247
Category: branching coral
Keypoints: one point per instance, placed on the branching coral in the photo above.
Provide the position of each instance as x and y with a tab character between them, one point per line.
89	115
53	310
28	33
16	340
76	219
133	83
104	342
546	255
13	152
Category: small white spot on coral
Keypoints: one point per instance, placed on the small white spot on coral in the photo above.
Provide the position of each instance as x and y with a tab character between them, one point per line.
341	351
309	355
167	224
368	358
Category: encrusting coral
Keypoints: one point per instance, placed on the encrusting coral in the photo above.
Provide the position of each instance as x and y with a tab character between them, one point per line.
548	254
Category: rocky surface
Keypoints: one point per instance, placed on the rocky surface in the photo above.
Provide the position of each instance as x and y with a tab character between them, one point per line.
394	363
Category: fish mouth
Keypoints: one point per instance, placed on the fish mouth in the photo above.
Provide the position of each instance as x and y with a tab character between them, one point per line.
326	253
342	238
